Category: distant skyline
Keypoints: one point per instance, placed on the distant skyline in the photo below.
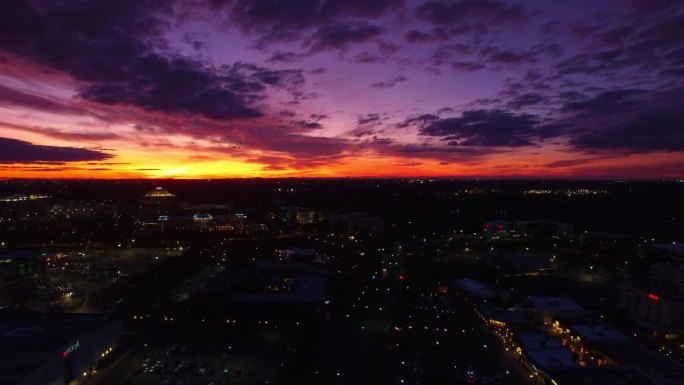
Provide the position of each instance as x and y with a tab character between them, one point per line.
356	88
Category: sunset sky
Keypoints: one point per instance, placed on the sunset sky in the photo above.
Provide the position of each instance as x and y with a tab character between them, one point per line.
341	88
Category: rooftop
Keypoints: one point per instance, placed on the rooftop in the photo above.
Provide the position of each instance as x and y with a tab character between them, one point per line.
19	198
509	316
598	332
555	304
159	192
475	287
22	255
545	351
28	340
600	376
673	247
44	333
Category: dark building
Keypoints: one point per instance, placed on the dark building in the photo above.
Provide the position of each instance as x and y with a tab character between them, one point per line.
356	223
54	349
659	304
21	264
24	207
156	203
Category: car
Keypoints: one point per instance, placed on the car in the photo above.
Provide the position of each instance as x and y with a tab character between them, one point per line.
471	375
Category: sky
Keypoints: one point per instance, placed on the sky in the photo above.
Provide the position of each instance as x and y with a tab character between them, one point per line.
342	88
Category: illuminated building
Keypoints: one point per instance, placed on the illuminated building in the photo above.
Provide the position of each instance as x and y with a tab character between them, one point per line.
301	215
658	305
533	229
24	206
39	349
156	203
505	317
202	222
554	308
499	230
541	353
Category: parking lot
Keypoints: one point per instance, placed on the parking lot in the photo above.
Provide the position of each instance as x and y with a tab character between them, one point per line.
194	359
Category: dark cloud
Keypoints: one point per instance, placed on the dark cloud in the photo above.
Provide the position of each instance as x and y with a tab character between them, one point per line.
419	120
382	141
470	15
119	53
367	58
449	52
368	119
606	102
318	117
504	57
616	35
487	128
65	135
525	100
309	125
664	34
654	130
18	151
284	57
460	66
179	86
419	37
339	36
359	133
12	97
388	48
301	14
390	83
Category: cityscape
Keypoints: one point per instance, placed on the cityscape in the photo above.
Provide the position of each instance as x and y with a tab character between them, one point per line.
341	192
405	281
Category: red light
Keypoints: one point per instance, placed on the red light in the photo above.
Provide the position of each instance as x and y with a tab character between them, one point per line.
500	226
64	354
654	297
401	277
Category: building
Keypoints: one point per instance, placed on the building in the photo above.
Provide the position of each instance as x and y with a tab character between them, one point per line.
606	347
202	222
540	353
550	309
660	312
499	230
24	207
543	229
356	223
512	318
22	264
301	215
602	376
632	354
518	264
54	349
659	304
156	203
667	251
474	288
667	278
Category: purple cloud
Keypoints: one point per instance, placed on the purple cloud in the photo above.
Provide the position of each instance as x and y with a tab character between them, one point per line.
19	151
